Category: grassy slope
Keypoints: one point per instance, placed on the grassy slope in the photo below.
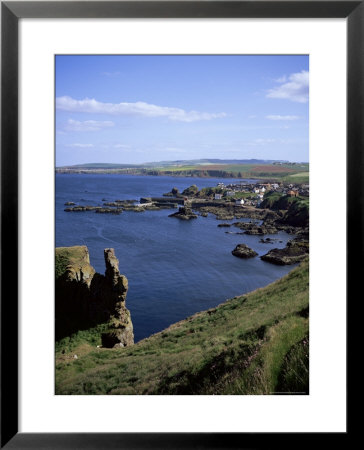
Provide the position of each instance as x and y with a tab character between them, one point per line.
251	344
70	256
277	200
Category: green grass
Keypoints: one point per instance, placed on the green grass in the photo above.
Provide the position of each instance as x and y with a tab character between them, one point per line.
61	264
243	195
90	337
262	375
179	168
300	174
277	200
65	256
241	170
243	346
294	374
298	178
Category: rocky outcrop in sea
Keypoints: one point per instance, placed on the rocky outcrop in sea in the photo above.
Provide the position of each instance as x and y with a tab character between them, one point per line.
253	228
243	251
294	252
184	213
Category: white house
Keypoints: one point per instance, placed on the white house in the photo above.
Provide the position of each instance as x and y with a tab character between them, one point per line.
217	196
230	193
239	202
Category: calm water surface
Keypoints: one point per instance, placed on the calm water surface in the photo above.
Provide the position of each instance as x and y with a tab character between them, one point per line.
175	268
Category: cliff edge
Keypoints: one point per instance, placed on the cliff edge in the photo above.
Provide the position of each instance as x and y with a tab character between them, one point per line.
252	344
86	299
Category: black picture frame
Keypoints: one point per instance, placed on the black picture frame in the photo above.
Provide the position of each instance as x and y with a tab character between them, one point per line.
11	12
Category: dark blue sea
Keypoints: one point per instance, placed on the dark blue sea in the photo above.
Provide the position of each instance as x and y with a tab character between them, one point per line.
175	268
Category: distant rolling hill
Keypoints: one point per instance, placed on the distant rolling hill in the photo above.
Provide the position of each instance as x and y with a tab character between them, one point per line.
204	168
192	162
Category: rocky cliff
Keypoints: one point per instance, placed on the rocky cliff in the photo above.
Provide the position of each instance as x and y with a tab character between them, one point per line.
85	298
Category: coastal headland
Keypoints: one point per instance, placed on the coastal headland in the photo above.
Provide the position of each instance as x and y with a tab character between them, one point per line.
256	343
251	344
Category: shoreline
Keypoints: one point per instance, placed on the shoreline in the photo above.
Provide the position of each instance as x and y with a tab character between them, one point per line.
221	211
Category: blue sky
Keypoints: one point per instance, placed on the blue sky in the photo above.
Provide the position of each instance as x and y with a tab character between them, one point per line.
135	109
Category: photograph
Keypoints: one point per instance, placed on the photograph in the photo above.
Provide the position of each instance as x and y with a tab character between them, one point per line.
164	261
181	224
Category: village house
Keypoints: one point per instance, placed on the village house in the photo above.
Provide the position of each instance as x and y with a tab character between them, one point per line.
218	197
239	202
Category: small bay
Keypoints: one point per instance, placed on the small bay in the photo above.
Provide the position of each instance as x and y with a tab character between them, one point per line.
175	268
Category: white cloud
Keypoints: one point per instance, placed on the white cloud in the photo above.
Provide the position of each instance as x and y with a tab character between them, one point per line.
295	89
121	146
278	117
282	79
88	125
80	145
90	105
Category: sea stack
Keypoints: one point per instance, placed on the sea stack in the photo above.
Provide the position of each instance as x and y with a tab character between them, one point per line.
120	332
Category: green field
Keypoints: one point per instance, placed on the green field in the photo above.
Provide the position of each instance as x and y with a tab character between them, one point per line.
300	174
293	172
252	344
299	178
240	170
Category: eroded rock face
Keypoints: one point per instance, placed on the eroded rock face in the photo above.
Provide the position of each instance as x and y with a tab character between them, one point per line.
79	268
85	298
